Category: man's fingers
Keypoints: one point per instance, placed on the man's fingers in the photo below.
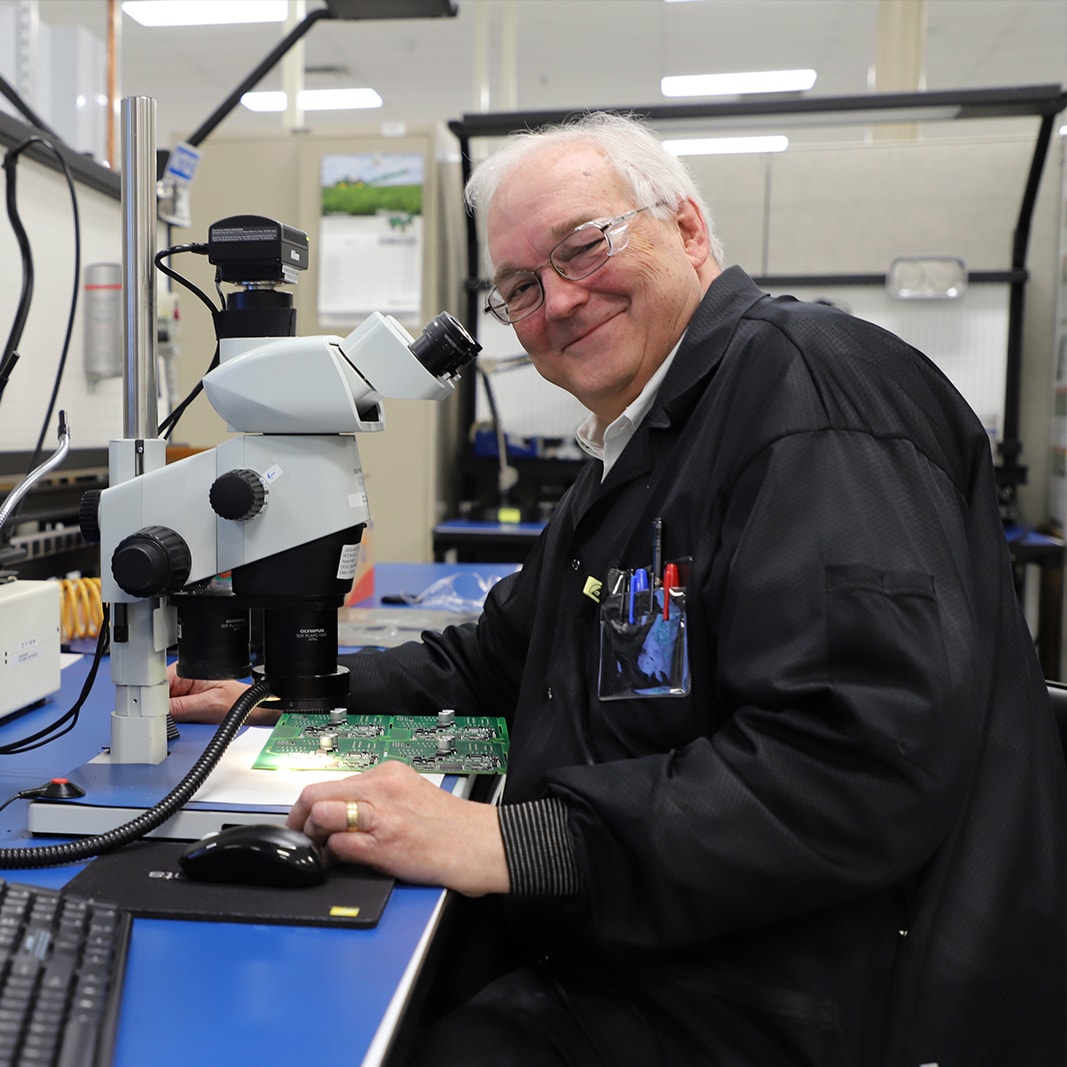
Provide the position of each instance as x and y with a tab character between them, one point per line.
331	816
321	818
344	827
320	793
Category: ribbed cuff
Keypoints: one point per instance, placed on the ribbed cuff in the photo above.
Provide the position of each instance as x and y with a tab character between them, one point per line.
539	849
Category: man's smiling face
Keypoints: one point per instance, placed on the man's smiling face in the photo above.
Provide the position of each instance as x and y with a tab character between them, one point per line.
603	337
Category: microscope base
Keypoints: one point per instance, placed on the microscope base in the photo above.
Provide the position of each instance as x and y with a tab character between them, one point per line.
116	793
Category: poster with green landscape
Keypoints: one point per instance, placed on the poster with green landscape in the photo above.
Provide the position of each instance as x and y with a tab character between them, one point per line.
371	235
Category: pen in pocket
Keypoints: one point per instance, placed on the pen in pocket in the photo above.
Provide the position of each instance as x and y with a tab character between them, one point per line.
670	580
638	585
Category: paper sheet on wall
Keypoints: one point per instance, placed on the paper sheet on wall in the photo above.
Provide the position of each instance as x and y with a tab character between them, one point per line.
371	236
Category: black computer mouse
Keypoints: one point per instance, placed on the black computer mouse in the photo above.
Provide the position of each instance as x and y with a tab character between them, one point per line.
262	854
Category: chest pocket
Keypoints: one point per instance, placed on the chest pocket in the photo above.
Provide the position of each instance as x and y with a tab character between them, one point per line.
643	641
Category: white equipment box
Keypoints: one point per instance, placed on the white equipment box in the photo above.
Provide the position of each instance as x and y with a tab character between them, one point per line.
29	643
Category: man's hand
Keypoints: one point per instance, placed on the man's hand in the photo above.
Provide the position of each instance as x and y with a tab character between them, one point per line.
408	827
196	700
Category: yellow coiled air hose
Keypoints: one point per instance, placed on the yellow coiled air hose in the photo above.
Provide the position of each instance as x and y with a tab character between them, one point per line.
81	610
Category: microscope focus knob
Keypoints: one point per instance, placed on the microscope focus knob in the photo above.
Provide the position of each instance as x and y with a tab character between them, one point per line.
238	494
154	560
89	516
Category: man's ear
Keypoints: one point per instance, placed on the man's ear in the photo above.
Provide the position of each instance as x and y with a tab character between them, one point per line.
693	231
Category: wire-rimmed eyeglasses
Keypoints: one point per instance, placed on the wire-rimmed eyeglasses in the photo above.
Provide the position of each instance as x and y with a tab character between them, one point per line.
584	250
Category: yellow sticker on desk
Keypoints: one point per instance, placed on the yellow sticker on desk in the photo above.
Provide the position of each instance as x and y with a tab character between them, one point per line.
339	912
511	516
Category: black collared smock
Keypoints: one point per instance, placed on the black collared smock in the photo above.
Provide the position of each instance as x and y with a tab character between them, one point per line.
846	845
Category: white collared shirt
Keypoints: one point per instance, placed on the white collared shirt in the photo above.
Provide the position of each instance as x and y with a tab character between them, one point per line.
607	442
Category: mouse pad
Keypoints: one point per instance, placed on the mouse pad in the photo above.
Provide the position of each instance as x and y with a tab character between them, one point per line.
145	878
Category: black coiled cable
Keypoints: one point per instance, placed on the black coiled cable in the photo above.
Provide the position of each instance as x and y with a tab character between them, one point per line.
86	848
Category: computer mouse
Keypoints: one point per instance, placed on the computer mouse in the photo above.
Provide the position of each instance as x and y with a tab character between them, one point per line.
262	854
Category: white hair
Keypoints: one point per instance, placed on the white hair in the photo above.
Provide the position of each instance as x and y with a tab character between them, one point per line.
651	174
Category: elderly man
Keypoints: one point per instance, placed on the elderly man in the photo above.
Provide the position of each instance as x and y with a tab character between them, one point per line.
784	790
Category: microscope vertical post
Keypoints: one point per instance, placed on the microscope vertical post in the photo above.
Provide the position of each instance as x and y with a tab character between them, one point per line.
142	630
140	415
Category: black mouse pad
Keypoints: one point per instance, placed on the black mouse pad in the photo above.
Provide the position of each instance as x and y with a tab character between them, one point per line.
145	878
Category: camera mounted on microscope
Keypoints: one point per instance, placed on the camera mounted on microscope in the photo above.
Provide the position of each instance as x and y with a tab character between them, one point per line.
257	254
251	248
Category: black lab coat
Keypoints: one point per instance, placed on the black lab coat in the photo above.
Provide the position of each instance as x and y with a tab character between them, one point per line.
851	832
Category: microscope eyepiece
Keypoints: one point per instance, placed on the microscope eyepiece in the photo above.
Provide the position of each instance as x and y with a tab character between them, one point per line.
445	347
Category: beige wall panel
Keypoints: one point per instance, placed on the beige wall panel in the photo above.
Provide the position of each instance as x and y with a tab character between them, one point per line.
855	209
735	190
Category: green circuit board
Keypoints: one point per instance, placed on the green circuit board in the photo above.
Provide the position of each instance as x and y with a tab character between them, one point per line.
443	744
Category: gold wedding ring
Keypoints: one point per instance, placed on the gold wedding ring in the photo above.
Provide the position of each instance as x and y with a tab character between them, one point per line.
352	817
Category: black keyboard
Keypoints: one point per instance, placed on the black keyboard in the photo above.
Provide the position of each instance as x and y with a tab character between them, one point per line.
61	966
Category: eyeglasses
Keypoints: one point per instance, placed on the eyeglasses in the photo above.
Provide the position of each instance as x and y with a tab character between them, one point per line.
584	250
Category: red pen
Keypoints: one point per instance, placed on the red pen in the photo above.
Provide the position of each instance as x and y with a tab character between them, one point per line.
670	580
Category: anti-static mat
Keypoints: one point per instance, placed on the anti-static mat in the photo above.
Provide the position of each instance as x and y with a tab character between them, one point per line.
145	878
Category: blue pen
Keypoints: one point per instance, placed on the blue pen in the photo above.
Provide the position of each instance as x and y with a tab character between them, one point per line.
657	548
638	584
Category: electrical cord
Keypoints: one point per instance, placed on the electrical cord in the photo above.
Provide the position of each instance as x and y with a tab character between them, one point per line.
10	354
65	351
138	827
200	249
59	788
8	90
166	427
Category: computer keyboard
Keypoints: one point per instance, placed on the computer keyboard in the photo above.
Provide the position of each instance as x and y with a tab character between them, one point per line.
61	965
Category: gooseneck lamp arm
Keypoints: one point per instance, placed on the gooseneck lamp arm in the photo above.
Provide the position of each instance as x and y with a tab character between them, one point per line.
261	69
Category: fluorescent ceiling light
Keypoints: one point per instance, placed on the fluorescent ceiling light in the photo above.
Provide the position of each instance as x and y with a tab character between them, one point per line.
336	99
314	100
265	101
719	146
765	81
204	12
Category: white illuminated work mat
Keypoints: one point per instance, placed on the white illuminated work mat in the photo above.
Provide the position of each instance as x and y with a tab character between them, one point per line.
236	782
